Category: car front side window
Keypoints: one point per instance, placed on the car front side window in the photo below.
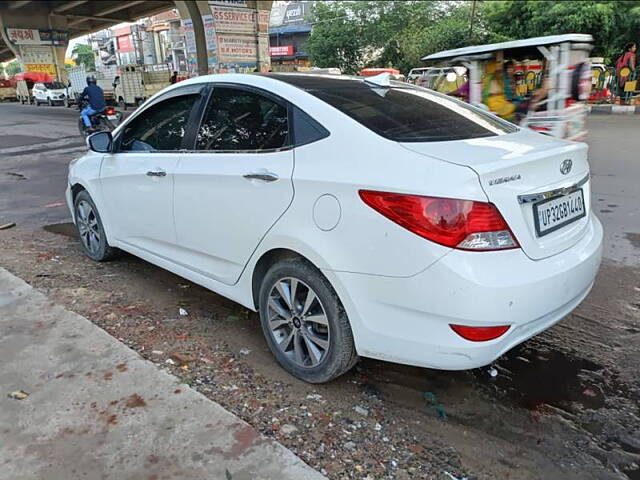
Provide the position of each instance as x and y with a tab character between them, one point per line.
243	120
160	127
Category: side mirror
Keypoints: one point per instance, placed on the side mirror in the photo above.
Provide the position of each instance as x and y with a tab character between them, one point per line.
100	142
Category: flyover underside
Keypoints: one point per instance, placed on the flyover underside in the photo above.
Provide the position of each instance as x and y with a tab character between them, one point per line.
59	21
78	17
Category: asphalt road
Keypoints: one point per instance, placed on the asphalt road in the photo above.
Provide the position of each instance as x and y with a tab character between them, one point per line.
38	142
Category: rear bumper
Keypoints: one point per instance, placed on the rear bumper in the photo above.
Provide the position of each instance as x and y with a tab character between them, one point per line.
406	320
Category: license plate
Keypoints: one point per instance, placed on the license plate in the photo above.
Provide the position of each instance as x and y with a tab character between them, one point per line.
550	215
112	117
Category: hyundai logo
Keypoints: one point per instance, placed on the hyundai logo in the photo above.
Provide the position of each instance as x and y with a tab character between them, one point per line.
565	166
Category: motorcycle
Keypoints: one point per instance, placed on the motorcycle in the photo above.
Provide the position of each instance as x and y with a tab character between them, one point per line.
105	120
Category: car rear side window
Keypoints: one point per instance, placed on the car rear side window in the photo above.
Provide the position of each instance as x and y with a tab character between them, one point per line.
242	120
401	112
160	127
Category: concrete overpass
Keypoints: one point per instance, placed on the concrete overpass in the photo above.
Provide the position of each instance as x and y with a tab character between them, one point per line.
28	25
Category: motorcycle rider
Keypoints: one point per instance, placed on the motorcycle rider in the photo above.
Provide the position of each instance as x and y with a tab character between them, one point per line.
95	97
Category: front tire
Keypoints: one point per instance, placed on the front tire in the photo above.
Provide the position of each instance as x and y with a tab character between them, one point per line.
90	230
304	322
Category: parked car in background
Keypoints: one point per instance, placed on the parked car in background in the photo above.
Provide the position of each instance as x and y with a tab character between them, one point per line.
439	240
50	93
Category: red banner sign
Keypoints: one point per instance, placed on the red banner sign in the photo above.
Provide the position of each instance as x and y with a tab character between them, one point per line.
281	51
124	44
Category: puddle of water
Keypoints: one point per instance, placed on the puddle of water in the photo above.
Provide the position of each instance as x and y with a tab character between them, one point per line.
532	378
406	385
66	229
632	474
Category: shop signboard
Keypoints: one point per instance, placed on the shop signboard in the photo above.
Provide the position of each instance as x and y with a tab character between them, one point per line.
237	49
210	37
239	20
48	68
281	51
296	12
124	44
36	54
32	36
228	3
24	36
189	35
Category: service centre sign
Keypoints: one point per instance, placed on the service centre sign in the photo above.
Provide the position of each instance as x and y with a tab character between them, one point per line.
239	20
281	51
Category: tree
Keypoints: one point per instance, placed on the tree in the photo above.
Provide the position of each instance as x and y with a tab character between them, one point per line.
612	23
83	55
13	67
355	34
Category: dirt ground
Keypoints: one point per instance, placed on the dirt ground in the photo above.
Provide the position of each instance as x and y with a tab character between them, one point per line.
564	405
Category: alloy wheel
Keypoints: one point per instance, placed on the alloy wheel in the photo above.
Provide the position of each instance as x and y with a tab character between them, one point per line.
298	322
88	226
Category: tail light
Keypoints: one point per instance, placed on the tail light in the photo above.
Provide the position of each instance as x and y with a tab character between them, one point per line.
462	224
479	334
111	111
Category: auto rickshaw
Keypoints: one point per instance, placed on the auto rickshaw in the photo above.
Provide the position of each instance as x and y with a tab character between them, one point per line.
558	65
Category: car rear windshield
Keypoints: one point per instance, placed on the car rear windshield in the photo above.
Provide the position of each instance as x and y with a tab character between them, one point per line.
402	112
54	85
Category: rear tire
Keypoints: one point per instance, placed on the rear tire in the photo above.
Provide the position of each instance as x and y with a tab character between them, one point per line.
310	335
90	230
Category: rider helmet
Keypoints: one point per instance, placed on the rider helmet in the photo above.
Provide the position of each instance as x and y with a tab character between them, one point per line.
91	79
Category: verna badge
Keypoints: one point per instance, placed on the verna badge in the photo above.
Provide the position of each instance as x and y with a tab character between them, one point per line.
565	166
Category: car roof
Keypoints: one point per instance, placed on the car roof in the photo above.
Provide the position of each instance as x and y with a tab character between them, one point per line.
527	42
313	82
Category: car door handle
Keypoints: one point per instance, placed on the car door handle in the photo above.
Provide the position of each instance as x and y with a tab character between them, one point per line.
264	176
158	172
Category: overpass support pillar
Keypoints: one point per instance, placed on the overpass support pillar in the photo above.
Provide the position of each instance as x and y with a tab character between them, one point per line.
223	46
191	11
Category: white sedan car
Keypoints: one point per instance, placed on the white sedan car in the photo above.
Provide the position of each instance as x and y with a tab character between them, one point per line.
360	218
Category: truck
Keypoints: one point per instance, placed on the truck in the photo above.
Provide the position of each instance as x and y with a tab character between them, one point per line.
135	83
105	79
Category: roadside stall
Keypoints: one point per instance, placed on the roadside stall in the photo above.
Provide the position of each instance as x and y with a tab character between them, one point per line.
541	83
394	73
25	82
8	90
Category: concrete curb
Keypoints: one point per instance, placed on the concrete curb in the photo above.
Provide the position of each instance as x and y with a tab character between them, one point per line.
614	109
97	410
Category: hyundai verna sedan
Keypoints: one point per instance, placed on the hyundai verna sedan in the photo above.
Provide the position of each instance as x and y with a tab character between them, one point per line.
360	218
